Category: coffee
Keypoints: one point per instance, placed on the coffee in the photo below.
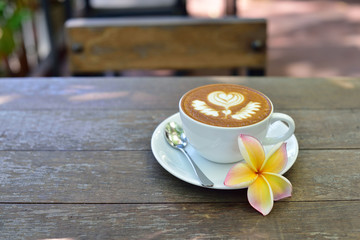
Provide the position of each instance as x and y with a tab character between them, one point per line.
226	105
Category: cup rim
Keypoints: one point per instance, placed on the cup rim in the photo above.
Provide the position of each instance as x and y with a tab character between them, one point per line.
232	128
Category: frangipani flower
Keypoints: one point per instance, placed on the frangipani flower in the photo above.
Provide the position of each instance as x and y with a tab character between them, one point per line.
260	174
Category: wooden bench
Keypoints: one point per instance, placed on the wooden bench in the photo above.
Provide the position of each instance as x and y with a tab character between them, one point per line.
97	45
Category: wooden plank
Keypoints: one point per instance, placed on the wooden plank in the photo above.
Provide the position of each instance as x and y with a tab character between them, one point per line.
136	177
304	220
327	129
132	130
97	45
140	93
78	130
54	184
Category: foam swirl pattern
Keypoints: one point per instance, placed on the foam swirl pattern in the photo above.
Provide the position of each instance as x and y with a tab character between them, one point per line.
226	105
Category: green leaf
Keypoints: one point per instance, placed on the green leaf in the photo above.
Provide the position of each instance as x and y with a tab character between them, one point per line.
2	6
7	42
14	22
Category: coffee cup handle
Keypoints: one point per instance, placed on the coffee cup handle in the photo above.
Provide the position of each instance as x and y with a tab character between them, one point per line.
291	128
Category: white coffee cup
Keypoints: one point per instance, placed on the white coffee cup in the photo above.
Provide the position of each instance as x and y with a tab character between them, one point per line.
219	144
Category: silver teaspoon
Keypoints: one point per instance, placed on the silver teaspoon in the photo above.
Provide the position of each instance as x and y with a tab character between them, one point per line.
176	138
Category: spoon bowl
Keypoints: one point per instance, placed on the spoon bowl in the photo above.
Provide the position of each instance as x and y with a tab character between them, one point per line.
175	137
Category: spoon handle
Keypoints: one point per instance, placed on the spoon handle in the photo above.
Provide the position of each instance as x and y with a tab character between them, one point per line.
203	179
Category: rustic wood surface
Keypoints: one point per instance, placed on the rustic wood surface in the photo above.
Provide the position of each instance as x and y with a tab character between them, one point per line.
97	45
76	163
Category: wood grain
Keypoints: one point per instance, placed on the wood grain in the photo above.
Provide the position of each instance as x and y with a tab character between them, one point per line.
76	162
136	177
181	43
132	130
139	93
304	220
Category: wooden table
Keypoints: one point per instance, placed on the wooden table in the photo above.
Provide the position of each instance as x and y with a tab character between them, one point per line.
76	163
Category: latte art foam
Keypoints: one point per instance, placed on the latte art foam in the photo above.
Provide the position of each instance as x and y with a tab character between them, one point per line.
225	100
226	105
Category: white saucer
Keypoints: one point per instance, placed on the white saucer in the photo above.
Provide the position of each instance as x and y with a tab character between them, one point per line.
175	162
